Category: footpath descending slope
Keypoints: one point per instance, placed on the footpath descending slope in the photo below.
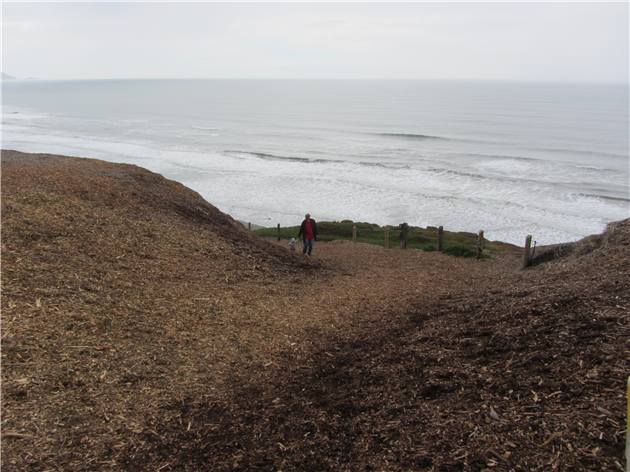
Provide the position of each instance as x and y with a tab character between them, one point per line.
145	330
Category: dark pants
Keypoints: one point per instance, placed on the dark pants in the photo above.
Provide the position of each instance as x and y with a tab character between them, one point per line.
308	244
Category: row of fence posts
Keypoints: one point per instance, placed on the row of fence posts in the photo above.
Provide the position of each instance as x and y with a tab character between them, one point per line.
404	235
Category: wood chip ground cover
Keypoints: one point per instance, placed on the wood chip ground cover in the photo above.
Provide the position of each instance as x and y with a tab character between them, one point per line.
142	329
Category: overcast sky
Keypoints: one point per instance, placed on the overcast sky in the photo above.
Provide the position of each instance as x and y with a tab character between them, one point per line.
573	41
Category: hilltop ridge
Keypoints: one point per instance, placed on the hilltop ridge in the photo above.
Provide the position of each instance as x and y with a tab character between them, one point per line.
143	329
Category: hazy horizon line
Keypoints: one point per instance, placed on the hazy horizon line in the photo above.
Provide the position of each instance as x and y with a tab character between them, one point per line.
323	79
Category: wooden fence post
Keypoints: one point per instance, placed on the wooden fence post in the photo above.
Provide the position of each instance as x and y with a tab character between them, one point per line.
404	235
528	245
386	237
479	244
249	226
439	239
354	234
278	232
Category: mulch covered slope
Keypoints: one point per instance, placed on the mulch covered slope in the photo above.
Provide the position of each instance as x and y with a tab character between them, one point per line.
142	329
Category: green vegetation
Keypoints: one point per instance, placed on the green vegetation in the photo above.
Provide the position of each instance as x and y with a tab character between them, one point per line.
463	251
456	244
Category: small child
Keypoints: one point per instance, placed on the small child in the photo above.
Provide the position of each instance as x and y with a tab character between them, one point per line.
292	244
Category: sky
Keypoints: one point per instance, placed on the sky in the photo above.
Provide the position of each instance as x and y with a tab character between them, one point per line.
529	41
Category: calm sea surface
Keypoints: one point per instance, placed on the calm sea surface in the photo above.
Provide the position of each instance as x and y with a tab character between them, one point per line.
510	158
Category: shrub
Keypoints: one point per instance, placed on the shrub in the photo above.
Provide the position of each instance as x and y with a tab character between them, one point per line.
460	251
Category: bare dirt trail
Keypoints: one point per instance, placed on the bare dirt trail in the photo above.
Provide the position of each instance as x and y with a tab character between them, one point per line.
503	370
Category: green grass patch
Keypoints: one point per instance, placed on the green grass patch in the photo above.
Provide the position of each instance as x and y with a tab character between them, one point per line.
463	251
456	244
285	233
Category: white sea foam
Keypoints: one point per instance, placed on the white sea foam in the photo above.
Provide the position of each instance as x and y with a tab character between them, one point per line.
263	190
15	116
270	168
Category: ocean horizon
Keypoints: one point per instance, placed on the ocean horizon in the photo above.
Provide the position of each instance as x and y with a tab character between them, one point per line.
512	159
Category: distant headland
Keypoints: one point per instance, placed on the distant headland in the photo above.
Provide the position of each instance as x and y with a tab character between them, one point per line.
10	77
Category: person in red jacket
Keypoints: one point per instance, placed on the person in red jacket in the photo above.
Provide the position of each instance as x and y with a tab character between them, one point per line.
309	231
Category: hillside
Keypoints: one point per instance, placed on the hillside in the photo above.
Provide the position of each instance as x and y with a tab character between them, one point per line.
142	329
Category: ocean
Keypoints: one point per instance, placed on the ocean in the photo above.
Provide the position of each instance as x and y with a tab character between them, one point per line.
512	159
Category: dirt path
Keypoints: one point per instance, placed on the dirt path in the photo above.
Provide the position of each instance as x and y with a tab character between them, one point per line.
477	366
